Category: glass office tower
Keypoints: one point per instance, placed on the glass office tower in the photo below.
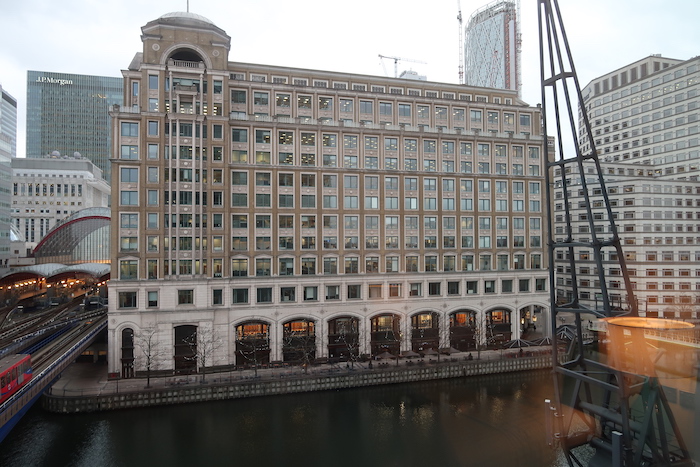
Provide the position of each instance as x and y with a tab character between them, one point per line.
8	150
69	113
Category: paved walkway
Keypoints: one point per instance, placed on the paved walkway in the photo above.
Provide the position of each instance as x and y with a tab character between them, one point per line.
81	379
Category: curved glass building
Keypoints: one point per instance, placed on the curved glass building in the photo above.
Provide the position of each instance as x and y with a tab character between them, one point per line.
80	238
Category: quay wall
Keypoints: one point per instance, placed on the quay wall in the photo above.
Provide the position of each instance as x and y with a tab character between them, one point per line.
257	387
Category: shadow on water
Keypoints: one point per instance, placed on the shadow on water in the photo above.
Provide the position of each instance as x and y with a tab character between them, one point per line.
485	421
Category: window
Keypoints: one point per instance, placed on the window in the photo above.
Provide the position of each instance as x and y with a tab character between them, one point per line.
385	109
185	297
354	291
128	244
351	202
129	198
332	292
330	266
261	98
310	293
129	152
152	297
239	135
239	267
288	294
127	299
239	243
129	129
263	267
217	297
239	296
264	294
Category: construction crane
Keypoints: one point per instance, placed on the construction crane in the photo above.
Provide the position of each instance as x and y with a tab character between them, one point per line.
461	43
396	63
614	405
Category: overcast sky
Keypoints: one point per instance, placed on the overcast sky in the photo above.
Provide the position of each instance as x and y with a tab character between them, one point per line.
99	37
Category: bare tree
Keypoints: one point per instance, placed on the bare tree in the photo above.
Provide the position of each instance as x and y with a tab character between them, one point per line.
483	333
302	343
684	307
203	344
147	342
351	338
253	349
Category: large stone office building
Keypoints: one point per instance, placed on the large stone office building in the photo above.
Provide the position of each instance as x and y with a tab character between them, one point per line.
645	121
265	213
46	191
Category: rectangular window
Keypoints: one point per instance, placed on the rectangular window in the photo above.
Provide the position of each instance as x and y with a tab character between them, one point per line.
129	129
264	294
185	297
332	292
127	300
310	293
354	291
239	296
217	297
152	299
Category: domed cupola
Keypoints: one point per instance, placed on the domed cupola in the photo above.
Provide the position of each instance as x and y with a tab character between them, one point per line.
185	37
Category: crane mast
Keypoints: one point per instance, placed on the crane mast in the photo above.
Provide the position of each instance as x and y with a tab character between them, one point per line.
461	43
614	403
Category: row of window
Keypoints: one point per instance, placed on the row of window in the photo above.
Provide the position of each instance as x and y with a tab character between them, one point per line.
130	243
391	144
327	181
263	157
647	300
264	200
290	139
330	222
292	294
178	82
128	268
47	189
346	107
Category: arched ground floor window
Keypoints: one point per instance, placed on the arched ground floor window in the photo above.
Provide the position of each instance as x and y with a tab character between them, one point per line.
344	338
299	341
425	331
463	330
185	349
386	335
498	327
252	343
127	353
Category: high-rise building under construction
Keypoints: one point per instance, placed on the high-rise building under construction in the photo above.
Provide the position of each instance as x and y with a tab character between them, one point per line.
492	46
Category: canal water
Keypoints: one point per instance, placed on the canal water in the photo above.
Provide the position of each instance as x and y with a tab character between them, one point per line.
484	421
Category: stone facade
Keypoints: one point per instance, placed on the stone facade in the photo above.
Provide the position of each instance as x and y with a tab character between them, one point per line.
270	213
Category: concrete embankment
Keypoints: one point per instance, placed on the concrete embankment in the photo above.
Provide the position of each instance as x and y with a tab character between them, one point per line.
218	387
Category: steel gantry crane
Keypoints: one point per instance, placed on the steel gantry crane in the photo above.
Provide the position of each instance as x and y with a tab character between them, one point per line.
609	409
396	63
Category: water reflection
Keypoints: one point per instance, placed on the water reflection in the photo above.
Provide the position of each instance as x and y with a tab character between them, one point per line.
483	421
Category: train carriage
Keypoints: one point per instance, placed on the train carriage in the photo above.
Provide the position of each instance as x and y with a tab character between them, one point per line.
15	372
